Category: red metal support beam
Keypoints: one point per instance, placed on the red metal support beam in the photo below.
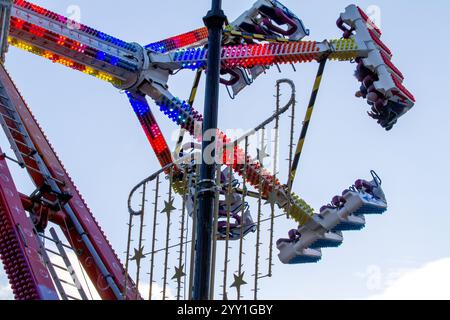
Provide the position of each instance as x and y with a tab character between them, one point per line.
19	247
92	230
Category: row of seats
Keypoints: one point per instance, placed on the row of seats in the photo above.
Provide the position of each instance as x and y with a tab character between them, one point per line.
346	212
381	81
269	18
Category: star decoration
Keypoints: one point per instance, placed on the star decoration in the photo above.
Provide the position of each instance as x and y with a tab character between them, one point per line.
168	207
262	154
138	255
272	199
179	273
238	281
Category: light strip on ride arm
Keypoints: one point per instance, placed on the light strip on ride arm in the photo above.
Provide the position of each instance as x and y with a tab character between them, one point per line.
64	61
248	56
151	128
59	39
76	204
194	38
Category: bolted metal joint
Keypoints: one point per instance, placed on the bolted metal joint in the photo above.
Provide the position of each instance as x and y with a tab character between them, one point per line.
215	19
207	187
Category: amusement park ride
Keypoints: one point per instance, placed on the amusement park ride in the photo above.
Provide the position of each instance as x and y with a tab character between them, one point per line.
266	35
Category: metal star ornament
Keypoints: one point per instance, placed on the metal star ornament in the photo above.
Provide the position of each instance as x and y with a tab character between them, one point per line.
238	281
262	154
179	273
168	207
138	255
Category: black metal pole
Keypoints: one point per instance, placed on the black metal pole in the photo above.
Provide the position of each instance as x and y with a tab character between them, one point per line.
214	21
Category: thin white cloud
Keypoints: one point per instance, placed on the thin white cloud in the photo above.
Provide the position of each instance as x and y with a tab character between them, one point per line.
6	292
430	282
144	289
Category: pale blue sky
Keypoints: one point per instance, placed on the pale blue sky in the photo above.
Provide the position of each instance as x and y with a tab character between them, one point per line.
101	144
